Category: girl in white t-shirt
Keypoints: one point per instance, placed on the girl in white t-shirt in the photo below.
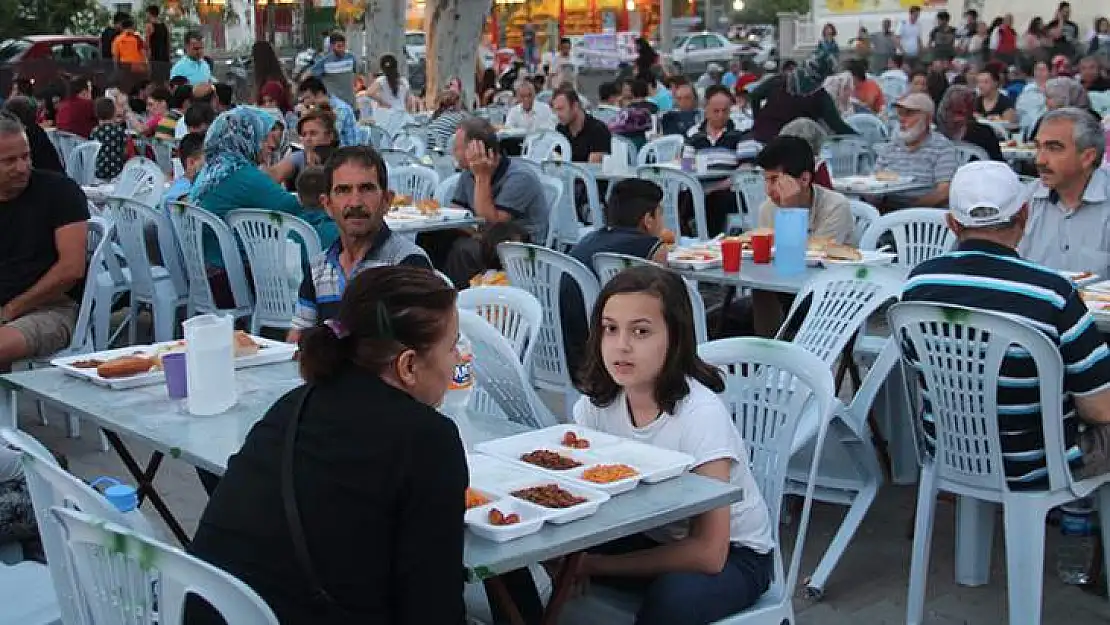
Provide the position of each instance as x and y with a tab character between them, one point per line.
643	380
390	90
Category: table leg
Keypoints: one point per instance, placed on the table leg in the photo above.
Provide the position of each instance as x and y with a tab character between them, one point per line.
496	590
561	587
145	483
8	409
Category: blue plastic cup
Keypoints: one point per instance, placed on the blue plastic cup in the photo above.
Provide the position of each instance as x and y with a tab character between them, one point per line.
791	240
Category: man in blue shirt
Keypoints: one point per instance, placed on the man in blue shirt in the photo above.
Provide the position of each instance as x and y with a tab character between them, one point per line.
193	67
312	92
336	70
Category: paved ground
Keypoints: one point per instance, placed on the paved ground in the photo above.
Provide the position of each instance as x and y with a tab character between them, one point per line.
869	588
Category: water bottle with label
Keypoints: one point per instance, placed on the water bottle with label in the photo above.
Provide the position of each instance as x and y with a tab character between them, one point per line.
1076	550
125	498
462	382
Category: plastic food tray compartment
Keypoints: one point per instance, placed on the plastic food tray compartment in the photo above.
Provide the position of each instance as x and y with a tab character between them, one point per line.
593	498
531	521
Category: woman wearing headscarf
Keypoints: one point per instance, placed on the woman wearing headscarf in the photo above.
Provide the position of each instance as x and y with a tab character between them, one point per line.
814	135
956	120
799	93
840	87
1061	92
275	97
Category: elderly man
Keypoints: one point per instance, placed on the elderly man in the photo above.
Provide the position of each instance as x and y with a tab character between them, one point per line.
989	213
1071	201
685	115
529	114
918	152
43	233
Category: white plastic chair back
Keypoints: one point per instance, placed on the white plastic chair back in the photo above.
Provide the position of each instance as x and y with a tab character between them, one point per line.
265	236
609	264
869	126
51	486
541	145
1100	102
415	181
847	155
540	271
87	336
445	192
919	234
515	313
840	301
570	173
629	149
65	142
142	181
769	386
391	120
500	377
416	146
189	223
751	193
374	136
80	162
893	87
605	114
1030	105
673	181
397	158
559	234
178	168
665	149
163	154
968	152
863	214
117	583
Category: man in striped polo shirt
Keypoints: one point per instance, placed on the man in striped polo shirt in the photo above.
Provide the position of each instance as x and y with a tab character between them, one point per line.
988	210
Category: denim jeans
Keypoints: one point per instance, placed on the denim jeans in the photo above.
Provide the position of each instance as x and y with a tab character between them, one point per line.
671	598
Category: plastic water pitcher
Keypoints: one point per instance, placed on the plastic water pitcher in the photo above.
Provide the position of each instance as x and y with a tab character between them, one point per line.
791	234
209	362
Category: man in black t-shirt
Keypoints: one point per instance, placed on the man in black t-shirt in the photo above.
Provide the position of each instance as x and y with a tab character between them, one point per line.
942	39
43	234
108	35
589	138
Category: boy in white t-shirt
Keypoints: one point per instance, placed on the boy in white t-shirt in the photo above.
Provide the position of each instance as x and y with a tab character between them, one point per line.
909	36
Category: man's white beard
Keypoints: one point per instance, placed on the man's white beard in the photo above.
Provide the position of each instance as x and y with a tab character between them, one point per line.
913	133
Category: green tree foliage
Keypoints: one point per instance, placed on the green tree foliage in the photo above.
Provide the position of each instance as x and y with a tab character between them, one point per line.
42	17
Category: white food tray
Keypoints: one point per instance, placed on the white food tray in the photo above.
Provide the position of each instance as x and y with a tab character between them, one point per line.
531	517
675	259
870	257
594	498
864	183
270	352
1087	280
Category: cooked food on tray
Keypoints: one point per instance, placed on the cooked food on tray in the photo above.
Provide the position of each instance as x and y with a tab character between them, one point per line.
550	460
606	473
746	238
818	244
245	345
125	366
475	499
549	496
92	363
836	251
1081	275
886	176
1094	296
400	200
496	517
695	254
429	207
667	236
572	440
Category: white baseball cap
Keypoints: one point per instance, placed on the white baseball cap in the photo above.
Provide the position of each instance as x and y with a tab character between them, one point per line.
986	193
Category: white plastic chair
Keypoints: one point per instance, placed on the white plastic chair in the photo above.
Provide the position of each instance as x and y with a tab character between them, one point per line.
116	583
869	126
571	173
34	600
863	215
416	146
539	146
957	354
141	181
445	192
265	236
163	154
751	193
566	227
80	162
500	376
397	158
189	223
540	271
968	152
893	87
609	264
162	289
515	313
561	233
605	114
374	136
847	155
415	181
665	149
919	234
1100	102
64	142
629	149
51	486
673	181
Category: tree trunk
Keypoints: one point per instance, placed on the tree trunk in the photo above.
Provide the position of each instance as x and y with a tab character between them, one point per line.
385	33
454	30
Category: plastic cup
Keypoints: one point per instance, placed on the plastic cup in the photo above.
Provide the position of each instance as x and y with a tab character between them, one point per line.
173	365
761	248
791	239
730	254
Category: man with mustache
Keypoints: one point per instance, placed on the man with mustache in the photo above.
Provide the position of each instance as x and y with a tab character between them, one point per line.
918	152
357	198
1071	201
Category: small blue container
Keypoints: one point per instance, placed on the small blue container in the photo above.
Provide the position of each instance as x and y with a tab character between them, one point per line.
791	240
123	496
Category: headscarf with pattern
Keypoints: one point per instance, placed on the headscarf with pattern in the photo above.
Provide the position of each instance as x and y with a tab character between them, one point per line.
840	87
233	142
956	110
809	75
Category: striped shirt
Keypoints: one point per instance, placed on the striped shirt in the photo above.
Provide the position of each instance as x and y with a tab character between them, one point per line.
981	274
323	285
443	127
345	123
932	162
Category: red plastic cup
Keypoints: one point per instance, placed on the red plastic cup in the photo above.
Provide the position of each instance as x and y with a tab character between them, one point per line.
761	248
730	255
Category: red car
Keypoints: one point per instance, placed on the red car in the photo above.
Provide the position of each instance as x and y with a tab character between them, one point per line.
46	58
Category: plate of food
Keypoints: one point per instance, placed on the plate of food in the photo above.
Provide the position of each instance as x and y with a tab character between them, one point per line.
694	258
1085	279
609	477
562	501
837	254
132	367
505	519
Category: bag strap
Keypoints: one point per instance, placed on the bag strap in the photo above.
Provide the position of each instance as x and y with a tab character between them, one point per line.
292	514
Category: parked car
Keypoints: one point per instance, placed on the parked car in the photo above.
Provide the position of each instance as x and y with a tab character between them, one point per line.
46	59
693	52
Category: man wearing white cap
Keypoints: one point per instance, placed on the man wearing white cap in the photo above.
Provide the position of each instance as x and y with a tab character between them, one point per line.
988	211
919	153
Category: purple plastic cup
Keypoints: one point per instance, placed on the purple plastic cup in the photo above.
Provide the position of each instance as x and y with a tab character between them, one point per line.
174	367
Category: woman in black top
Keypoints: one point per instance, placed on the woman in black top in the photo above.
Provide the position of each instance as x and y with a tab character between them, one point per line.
956	121
379	475
799	94
992	103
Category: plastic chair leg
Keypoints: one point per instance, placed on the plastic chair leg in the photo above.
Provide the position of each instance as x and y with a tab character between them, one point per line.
133	314
1103	496
164	316
843	537
1024	527
73	426
104	447
922	545
974	540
